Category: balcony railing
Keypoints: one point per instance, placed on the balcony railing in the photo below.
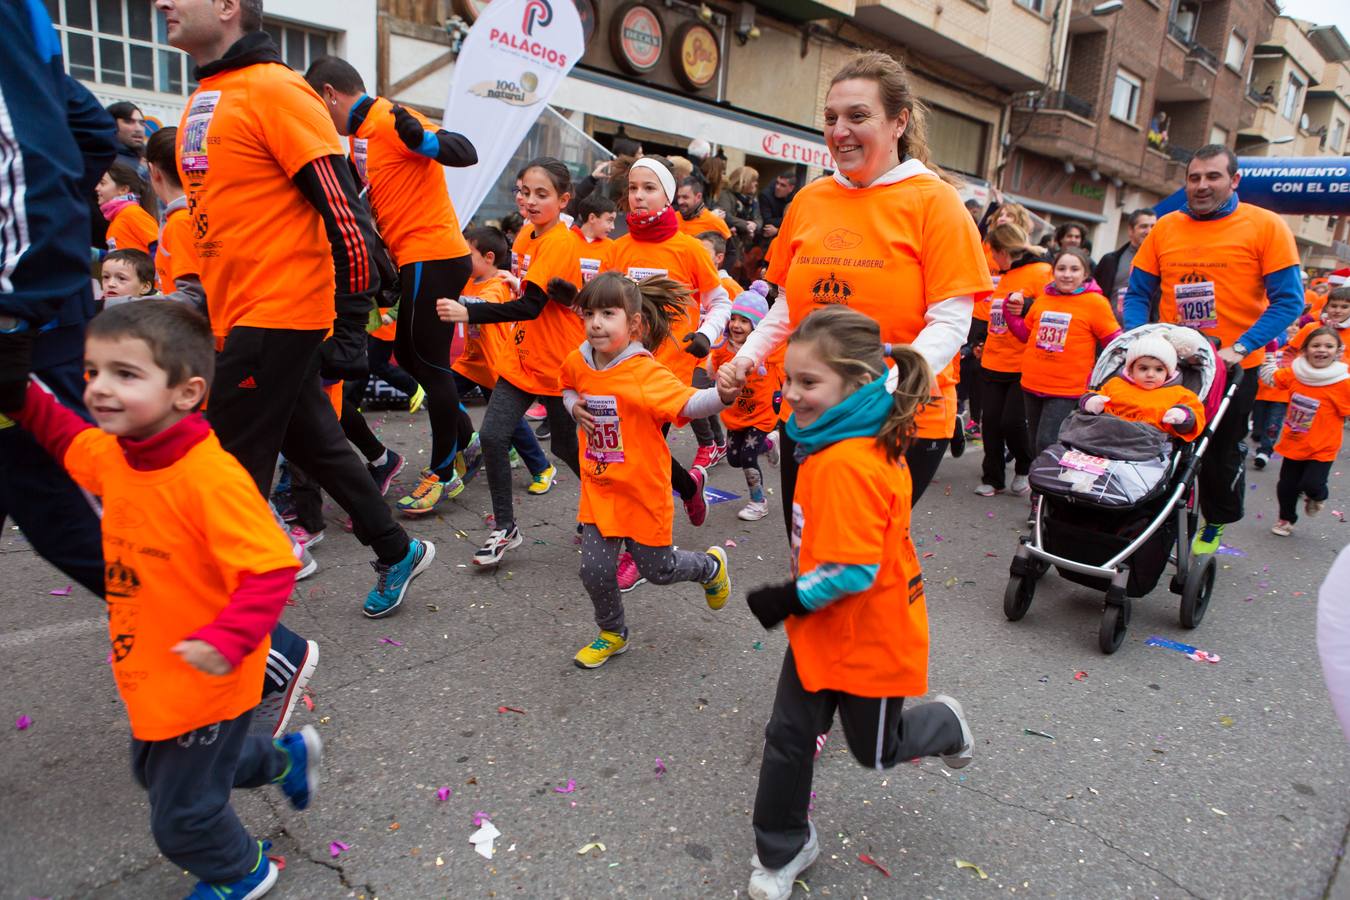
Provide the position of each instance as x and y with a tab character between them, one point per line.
1204	55
1061	100
1181	35
1179	154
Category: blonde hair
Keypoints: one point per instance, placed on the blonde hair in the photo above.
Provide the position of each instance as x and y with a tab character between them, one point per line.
653	301
1012	239
896	96
1021	217
850	344
742	178
683	167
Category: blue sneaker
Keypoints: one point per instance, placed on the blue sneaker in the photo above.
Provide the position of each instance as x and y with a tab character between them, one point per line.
251	886
384	475
304	752
387	595
473	459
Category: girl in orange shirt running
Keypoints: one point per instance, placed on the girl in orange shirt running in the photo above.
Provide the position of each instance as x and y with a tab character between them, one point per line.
857	623
548	263
125	201
1061	333
621	397
1314	424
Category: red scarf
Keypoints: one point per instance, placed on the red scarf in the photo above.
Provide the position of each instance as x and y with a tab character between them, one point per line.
653	228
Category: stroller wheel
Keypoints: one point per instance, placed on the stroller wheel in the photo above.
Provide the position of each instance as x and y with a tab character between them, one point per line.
1115	620
1017	597
1198	589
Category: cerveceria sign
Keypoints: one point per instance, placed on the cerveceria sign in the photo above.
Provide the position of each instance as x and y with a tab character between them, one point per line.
636	38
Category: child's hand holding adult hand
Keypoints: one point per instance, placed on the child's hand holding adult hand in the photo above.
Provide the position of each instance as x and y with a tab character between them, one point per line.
203	657
451	310
731	376
1096	404
727	394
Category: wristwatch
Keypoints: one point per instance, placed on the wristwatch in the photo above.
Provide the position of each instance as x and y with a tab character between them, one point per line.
1240	349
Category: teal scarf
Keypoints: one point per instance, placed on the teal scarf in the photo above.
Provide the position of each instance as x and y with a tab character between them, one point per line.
861	414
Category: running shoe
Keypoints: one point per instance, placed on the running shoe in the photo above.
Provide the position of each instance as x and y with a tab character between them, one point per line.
703	456
430	491
385	473
958	445
543	431
472	458
1021	485
987	490
966	752
718	589
627	573
719	453
543	482
1262	459
304	754
777	884
753	511
276	707
285	506
392	581
697	505
304	537
771	448
308	564
537	413
252	886
1282	528
595	654
498	542
417	399
1208	540
1312	507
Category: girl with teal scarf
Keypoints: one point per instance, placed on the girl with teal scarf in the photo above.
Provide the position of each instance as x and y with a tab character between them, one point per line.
855	614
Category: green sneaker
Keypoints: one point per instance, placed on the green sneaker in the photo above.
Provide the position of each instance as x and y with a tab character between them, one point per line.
514	457
1208	540
417	399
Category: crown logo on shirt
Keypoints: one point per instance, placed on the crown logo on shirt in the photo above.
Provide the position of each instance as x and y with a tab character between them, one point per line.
831	290
1193	278
121	580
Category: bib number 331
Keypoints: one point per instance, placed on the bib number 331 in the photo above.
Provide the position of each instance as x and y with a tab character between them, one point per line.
606	442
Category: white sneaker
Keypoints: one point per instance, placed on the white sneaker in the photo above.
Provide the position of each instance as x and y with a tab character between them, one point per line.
754	511
1020	485
987	490
776	884
962	757
501	540
771	448
1312	507
308	564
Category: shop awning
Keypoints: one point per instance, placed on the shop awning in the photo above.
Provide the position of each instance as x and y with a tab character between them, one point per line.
806	10
1055	209
635	104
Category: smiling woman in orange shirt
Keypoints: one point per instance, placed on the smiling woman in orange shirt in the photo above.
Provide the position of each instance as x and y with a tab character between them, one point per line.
885	235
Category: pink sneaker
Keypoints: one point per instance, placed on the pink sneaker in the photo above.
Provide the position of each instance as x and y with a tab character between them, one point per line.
697	506
704	457
304	537
629	577
536	413
719	453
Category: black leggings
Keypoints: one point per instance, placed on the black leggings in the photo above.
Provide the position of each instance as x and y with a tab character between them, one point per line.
680	479
1004	424
1301	476
422	343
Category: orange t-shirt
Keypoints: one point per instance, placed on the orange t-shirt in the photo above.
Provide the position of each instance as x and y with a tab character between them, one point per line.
679	258
592	254
176	254
706	220
890	252
754	407
177	542
732	286
483	344
1213	272
625	467
1136	404
995	273
132	229
1002	351
851	507
1314	422
1062	347
542	344
1315	302
407	190
1298	340
385	332
265	260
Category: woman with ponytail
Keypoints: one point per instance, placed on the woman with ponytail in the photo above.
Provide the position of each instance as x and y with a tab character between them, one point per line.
126	202
857	624
888	236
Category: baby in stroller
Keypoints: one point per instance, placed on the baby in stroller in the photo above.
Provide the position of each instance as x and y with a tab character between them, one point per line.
1150	389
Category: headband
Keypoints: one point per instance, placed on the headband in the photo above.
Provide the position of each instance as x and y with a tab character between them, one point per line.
662	175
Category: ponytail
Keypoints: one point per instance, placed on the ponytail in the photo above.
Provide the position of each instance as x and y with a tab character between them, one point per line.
913	389
663	301
1012	239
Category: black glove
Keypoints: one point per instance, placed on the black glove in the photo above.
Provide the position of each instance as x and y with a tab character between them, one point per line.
697	344
773	603
16	361
410	131
342	356
560	290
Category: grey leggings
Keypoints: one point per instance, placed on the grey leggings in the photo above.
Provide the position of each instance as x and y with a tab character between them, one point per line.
507	405
659	565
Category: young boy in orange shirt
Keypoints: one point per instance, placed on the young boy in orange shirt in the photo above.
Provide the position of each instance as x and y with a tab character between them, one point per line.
197	575
751	420
1149	391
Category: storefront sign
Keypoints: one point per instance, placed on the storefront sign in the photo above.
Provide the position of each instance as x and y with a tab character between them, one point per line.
636	38
777	146
470	10
1291	186
697	56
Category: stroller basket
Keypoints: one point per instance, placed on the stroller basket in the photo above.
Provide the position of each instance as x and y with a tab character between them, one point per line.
1092	535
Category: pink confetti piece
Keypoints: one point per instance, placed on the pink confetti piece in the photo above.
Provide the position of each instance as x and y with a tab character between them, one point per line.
502	710
61	592
929	554
23	723
309	700
571	786
443	794
729	543
479	818
337	848
1340	517
988	515
1080	676
938	538
660	767
391	642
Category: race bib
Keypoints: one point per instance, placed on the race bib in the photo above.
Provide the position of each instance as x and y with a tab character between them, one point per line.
589	269
798	522
1084	462
521	265
1298	418
1053	331
474	331
606	442
192	144
1195	305
997	324
359	154
637	273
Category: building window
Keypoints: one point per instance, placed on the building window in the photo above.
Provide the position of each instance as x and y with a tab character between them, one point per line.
1218	135
1125	96
1236	53
125	43
957	142
1036	6
1293	96
1336	136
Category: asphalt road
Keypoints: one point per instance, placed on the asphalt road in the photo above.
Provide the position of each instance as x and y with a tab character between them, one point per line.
1164	777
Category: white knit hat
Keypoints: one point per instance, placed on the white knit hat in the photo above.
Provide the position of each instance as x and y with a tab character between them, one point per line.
1156	346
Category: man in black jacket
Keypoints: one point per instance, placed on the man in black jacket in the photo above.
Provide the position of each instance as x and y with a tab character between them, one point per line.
1113	270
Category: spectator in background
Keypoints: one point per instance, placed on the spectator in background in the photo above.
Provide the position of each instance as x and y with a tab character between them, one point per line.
973	207
741	205
1112	272
773	203
130	136
1072	234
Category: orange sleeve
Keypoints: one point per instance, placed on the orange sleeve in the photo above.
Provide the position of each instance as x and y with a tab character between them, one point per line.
1283	378
951	256
779	253
1341	400
555	259
701	270
293	122
1280	250
1104	323
846	523
719	225
85	459
567	374
664	394
182	251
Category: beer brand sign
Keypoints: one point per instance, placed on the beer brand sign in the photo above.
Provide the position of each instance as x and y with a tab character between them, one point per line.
637	38
697	56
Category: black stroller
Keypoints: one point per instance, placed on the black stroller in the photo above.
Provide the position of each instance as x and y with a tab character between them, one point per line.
1114	524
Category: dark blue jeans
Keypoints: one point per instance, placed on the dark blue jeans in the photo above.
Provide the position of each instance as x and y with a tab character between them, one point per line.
523	439
1267	420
